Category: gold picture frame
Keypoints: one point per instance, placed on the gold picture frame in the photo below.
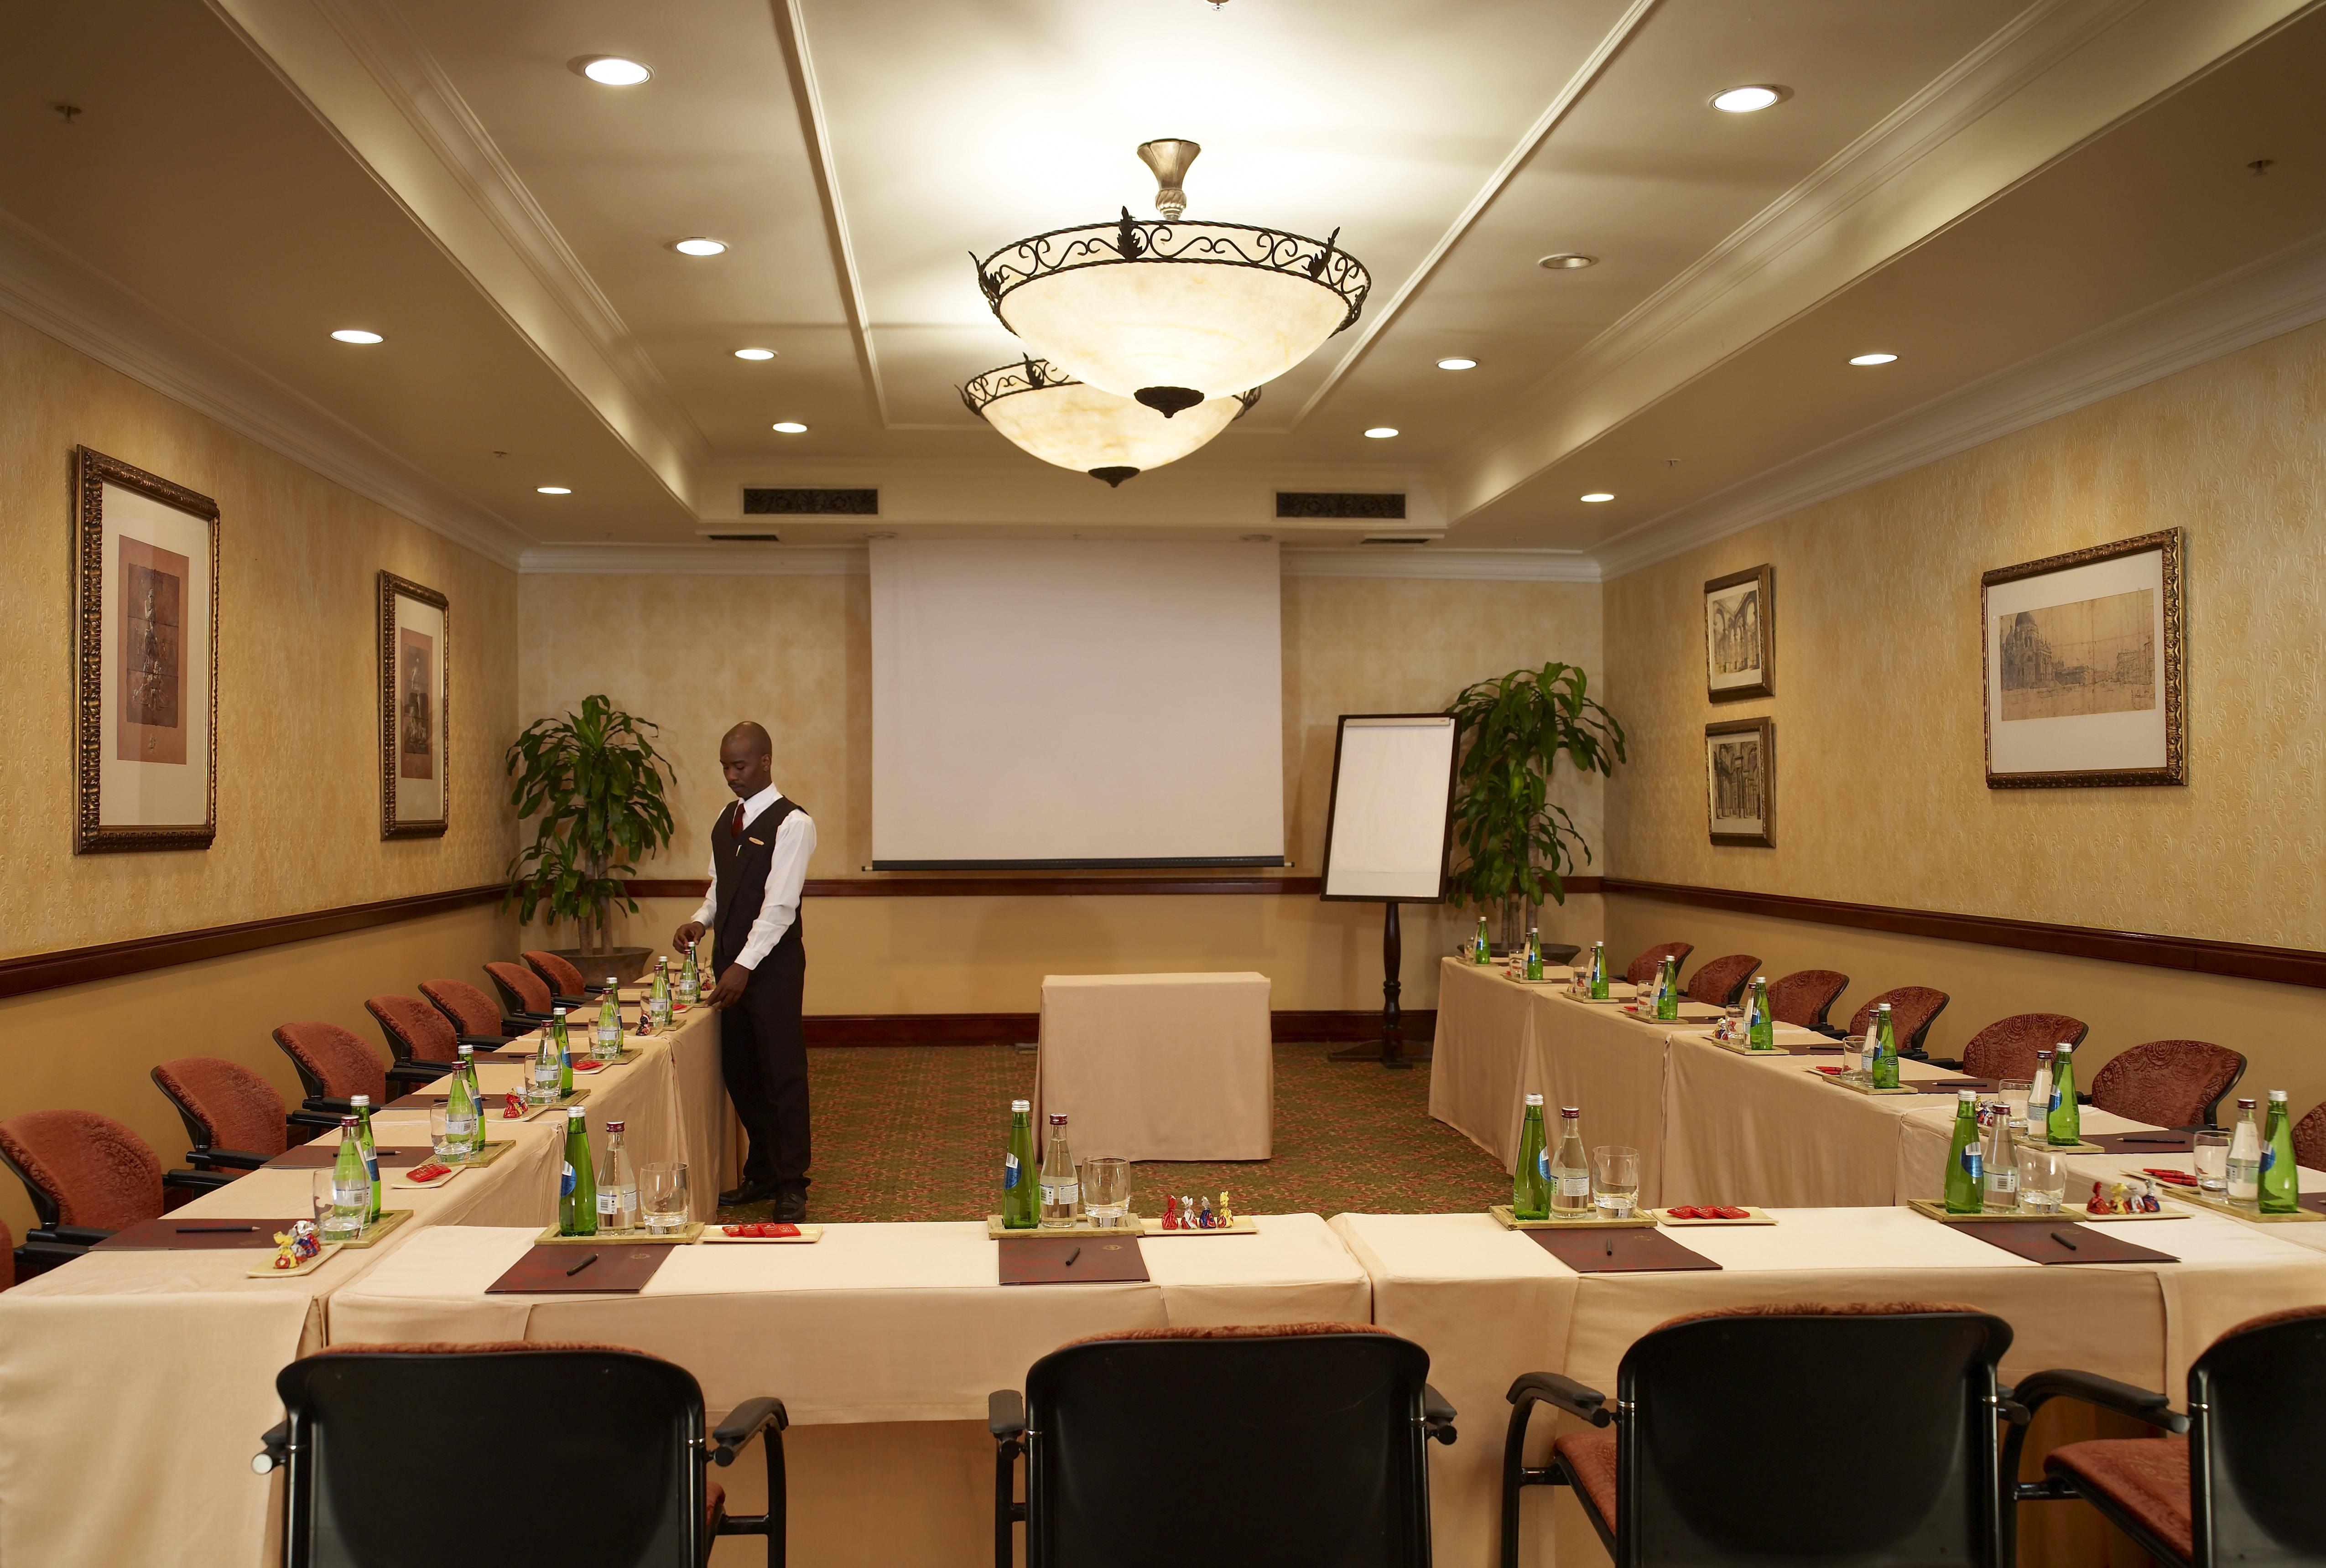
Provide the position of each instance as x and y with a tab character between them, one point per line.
144	595
1740	782
2083	665
415	724
1740	634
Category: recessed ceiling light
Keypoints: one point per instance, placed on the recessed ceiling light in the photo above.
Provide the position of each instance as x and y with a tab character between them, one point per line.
1746	100
1873	359
611	69
1567	261
551	490
699	246
1600	496
755	354
789	427
1458	363
1381	433
358	334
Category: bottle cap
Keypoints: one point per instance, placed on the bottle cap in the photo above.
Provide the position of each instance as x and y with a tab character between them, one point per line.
1883	1008
575	1114
1568	1112
1967	1096
361	1099
1534	1099
2244	1104
2043	1056
350	1121
1019	1106
557	1012
2066	1047
1057	1118
467	1049
2277	1094
615	1127
611	982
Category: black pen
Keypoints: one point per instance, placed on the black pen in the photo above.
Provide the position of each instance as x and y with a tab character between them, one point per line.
581	1266
212	1230
2129	1139
1611	1247
2063	1240
1077	1252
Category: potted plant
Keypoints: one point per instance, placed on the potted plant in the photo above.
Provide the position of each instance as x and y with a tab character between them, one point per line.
595	780
1518	846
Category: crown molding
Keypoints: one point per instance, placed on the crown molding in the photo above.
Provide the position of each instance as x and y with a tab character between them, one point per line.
696	561
1429	561
2274	296
52	291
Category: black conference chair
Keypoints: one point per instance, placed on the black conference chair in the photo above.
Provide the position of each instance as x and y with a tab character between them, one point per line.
595	1452
1702	1460
1309	1441
2240	1486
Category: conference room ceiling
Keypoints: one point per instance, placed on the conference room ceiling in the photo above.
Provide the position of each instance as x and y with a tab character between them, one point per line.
1969	184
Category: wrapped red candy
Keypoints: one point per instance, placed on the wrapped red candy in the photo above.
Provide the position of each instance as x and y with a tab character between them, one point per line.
430	1171
515	1109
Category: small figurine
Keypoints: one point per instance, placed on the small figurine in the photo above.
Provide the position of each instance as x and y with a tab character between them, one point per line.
1227	1215
646	1019
1211	1219
1170	1212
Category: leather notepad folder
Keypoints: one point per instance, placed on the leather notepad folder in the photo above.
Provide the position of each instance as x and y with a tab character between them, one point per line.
1624	1251
570	1270
2065	1242
185	1233
1041	1260
323	1156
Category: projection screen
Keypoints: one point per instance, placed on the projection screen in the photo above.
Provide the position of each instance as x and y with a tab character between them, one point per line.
1076	704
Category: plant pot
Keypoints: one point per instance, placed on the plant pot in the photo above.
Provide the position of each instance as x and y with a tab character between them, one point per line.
626	964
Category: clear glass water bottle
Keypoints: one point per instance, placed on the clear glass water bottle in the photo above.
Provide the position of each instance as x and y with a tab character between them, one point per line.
605	1040
617	1186
2244	1156
548	1067
1999	1175
1570	1168
1062	1186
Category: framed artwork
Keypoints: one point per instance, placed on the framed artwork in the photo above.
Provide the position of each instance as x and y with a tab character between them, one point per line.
1740	782
1740	634
415	669
145	633
2085	660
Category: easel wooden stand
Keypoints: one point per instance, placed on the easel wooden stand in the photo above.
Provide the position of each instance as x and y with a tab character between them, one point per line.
1387	836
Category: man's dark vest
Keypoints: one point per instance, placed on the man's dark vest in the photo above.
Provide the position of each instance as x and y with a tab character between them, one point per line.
742	879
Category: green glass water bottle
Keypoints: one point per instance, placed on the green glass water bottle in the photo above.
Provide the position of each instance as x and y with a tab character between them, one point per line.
464	1125
1760	1030
577	1184
2281	1183
2064	1122
564	1053
1482	951
370	1146
1534	955
1882	1050
1598	971
606	1042
350	1187
1668	991
1965	1160
1021	1199
1531	1177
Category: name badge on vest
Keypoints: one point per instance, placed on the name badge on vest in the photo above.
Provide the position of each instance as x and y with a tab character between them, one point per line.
762	843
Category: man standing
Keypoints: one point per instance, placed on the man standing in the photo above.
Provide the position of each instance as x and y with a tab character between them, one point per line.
760	850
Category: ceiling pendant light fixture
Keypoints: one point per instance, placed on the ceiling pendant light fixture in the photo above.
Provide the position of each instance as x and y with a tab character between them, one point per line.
1172	313
1079	426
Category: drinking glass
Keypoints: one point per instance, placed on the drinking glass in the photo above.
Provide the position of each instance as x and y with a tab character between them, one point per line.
2015	1092
663	1197
320	1195
1614	1180
2043	1179
1853	1057
448	1150
1106	1190
2209	1152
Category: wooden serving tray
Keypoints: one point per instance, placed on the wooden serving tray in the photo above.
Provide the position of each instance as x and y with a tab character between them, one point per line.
1639	1219
568	1103
2068	1214
1131	1226
1855	1087
268	1270
378	1231
2190	1195
550	1238
1752	1217
1741	1049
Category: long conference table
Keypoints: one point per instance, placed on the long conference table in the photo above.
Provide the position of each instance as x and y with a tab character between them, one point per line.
133	1386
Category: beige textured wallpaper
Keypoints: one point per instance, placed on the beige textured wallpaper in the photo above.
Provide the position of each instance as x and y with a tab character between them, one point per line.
1881	790
298	676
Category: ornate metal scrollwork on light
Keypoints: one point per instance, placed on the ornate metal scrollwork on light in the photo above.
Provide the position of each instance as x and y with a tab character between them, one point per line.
1067	422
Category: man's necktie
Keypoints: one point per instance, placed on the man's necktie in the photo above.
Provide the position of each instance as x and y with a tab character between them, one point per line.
736	831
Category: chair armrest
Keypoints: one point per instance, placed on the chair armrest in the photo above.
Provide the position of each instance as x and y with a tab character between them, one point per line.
418	1072
569	1003
487	1042
274	1449
310	1122
323	1106
1952	1063
70	1235
1566	1393
1005	1413
744	1422
2037	1388
231	1159
529	1019
1436	1416
196	1180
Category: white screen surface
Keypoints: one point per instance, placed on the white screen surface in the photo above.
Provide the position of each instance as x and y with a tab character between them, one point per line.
1393	788
1075	703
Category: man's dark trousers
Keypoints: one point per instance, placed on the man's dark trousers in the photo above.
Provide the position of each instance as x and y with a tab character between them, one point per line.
764	1056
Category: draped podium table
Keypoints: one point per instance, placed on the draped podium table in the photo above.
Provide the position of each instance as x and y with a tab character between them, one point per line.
134	1386
882	1341
1158	1067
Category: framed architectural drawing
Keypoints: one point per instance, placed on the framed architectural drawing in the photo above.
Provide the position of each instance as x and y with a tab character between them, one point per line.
415	669
1740	636
145	632
2085	658
1740	782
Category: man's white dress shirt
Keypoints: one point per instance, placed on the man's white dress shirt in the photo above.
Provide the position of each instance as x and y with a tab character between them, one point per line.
794	842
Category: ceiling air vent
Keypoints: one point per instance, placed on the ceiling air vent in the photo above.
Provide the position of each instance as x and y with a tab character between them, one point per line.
1338	503
1398	538
736	536
773	501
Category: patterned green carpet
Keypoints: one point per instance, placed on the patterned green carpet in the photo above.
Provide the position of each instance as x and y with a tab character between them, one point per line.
917	1133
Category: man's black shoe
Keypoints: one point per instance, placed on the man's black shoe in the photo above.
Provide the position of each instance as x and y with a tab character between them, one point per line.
791	1206
748	1192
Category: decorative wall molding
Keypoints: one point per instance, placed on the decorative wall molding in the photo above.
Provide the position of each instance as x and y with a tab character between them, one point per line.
1083	884
52	291
1427	562
110	960
2285	966
1025	1028
1431	561
2274	296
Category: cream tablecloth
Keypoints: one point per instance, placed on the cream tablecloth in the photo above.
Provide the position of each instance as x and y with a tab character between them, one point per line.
1158	1067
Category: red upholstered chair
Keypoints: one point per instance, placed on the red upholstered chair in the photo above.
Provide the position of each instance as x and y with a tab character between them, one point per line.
2168	1082
2006	1048
1913	1009
333	1066
2309	1139
1801	998
1644	968
425	1045
476	1018
523	996
561	977
87	1176
233	1117
614	1413
1721	980
2235	1480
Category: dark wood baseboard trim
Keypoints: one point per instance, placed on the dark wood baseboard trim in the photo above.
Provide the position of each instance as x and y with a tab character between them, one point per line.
2285	966
1024	1028
1082	884
110	960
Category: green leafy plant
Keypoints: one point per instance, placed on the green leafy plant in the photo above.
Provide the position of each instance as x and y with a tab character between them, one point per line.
595	780
1519	848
